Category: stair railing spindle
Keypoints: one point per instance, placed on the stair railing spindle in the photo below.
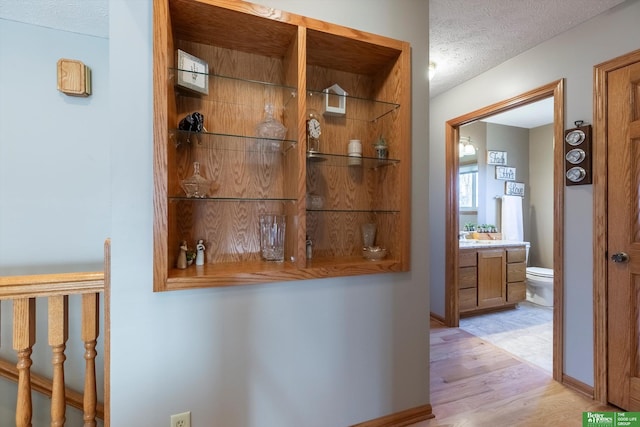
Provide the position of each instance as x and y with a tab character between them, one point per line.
24	337
90	329
58	335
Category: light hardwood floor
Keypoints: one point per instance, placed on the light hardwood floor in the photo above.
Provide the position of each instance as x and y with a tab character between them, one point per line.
475	384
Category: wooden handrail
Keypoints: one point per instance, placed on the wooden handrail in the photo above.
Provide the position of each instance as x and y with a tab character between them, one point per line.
44	285
56	288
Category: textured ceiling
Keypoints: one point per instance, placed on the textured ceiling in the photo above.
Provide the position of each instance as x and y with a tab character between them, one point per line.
468	37
77	16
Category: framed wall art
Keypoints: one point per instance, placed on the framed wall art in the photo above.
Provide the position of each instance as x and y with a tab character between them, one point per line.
193	73
512	188
506	173
497	158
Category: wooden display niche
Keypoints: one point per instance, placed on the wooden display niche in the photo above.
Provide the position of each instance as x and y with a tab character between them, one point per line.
258	56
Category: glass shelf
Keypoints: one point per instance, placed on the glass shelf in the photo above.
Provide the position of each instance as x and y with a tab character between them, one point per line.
228	89
340	160
362	109
219	141
230	199
374	211
230	78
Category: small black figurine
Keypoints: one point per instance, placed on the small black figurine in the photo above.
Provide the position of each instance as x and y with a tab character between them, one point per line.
193	122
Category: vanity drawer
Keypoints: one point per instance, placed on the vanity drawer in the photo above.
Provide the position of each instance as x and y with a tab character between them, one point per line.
468	299
467	258
516	254
467	277
516	292
516	272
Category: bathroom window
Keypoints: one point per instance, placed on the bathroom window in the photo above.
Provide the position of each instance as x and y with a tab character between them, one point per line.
468	195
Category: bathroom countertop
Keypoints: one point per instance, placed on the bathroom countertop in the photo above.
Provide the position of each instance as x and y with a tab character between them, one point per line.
482	244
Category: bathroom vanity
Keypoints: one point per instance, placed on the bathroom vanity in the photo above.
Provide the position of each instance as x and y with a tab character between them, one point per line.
491	275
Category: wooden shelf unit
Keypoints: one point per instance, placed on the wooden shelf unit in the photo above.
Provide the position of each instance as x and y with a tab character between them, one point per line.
257	55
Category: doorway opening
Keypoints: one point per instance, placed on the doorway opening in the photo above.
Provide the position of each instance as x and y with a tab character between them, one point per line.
453	127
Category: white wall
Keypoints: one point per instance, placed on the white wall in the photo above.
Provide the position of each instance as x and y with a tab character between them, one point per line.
572	56
314	353
55	201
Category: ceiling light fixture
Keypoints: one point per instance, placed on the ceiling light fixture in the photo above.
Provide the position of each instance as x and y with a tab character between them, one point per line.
466	147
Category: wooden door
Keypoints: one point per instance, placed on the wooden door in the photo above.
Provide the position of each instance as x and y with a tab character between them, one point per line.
623	241
492	278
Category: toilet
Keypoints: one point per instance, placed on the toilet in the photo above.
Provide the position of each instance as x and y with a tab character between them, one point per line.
539	284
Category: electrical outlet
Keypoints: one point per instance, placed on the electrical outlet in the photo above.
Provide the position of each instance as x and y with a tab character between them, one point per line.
181	420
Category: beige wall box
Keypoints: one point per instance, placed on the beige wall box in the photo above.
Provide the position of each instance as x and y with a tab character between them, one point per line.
74	78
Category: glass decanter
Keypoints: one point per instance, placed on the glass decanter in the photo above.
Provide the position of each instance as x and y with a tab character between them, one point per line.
270	128
196	185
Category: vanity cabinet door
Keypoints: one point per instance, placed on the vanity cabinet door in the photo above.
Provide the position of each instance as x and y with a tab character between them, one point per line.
492	278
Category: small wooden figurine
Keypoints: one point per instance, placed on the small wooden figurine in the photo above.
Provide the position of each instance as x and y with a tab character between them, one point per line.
182	256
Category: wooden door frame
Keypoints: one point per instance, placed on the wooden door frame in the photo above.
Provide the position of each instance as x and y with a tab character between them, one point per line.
600	74
452	316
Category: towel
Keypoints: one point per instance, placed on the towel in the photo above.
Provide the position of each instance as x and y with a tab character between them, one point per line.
512	228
